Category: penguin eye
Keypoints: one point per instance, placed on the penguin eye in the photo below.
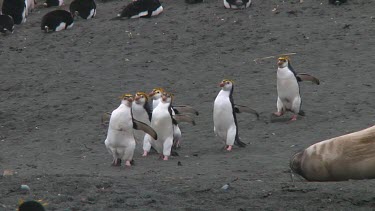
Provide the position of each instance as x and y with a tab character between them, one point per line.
227	82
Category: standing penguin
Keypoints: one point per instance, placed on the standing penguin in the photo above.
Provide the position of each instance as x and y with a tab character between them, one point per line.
57	20
176	113
224	115
288	91
162	122
86	9
141	9
16	9
142	112
53	3
237	4
120	140
6	23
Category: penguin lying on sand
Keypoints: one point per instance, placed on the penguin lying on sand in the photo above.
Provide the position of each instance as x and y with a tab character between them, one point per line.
53	3
16	9
120	140
288	91
237	4
224	115
6	23
85	9
337	2
141	9
57	20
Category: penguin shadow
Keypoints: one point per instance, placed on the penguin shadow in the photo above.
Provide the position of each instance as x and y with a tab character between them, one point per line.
275	119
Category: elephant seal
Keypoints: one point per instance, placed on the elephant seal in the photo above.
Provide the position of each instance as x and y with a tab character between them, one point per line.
351	156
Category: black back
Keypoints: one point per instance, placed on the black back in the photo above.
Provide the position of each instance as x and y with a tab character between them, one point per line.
147	107
52	3
233	111
337	2
83	7
6	23
14	8
55	18
136	7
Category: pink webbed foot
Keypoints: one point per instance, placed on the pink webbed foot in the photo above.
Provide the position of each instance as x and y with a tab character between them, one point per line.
278	114
127	163
229	148
145	153
165	157
294	118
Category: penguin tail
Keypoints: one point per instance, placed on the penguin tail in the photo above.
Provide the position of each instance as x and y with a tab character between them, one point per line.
239	143
301	113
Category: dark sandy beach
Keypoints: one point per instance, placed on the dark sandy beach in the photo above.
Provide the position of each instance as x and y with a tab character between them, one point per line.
54	88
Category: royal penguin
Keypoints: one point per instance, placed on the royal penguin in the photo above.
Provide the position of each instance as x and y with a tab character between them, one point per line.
85	9
224	115
237	4
141	9
337	2
288	90
53	3
120	140
177	113
6	23
162	122
142	112
16	9
57	20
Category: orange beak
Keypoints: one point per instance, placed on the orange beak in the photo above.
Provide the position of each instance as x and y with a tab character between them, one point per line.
222	84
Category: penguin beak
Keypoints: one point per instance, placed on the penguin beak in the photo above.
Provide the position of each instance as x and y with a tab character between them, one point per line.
137	98
280	63
130	99
222	84
164	98
151	94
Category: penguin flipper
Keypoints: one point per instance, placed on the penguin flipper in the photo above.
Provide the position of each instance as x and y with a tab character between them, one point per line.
184	118
105	119
178	109
307	77
245	109
145	128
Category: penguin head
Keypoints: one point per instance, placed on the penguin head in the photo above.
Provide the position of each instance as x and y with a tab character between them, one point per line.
140	98
167	97
226	84
283	61
127	99
156	93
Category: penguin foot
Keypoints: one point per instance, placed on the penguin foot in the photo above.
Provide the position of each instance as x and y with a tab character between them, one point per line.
127	163
165	157
278	114
294	118
116	162
145	153
229	148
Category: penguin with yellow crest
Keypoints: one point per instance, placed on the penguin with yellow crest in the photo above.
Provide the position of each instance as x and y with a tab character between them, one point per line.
288	91
224	115
120	140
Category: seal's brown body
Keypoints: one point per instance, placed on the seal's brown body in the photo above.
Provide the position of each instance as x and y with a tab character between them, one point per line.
350	156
